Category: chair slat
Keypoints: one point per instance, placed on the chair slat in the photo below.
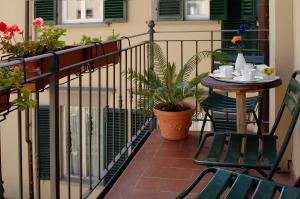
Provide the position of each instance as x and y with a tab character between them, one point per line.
234	148
269	149
265	190
251	149
216	185
290	193
216	148
240	187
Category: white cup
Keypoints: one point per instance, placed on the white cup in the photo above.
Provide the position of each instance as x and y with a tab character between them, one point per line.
226	70
248	74
248	66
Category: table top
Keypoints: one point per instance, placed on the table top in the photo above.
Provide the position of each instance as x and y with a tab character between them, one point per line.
211	82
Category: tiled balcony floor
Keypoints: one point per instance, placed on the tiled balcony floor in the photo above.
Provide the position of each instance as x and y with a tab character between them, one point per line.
162	169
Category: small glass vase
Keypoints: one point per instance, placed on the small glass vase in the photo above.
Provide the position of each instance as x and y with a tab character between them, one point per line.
239	63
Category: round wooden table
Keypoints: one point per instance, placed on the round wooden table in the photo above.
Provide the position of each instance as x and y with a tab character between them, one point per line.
240	89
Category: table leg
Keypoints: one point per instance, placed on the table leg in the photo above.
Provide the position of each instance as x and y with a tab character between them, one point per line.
241	112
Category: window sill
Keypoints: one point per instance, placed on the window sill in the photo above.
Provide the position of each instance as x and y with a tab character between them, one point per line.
79	25
186	22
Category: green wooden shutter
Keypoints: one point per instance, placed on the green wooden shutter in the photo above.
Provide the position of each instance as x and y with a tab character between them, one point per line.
218	9
44	142
249	10
115	134
46	9
115	10
170	10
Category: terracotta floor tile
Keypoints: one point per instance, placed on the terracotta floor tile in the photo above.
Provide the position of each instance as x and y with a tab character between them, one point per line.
150	194
171	173
162	169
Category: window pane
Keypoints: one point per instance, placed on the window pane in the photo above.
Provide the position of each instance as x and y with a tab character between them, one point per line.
93	10
72	9
197	9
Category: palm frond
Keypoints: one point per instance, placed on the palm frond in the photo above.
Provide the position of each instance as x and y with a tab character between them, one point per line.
196	80
191	64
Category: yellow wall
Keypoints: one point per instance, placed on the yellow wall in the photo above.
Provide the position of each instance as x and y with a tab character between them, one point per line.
281	56
296	145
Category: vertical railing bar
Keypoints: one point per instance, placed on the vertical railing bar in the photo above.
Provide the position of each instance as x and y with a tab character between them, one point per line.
114	147
99	123
181	53
144	68
1	177
37	138
197	61
140	85
107	116
136	89
30	153
131	97
20	156
120	99
167	51
80	136
69	141
54	130
90	128
126	98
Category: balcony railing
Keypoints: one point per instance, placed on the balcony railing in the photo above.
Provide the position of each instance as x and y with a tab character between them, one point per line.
86	127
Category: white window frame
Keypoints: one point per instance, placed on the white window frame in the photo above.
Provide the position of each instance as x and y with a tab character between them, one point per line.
83	13
196	17
85	165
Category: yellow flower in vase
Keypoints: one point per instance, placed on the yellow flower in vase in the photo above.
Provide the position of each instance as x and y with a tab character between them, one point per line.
268	70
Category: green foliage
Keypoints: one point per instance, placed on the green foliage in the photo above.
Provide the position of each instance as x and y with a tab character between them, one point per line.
11	77
23	49
113	36
49	37
87	39
163	84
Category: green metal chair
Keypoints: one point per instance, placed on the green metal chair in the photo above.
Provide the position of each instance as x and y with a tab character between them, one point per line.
233	185
221	109
252	151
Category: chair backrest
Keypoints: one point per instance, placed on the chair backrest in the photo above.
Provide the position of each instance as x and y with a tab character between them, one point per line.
254	58
291	101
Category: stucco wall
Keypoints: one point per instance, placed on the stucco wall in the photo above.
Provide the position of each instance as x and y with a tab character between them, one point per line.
296	139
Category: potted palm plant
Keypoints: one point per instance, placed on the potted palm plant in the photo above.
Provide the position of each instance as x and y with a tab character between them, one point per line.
166	90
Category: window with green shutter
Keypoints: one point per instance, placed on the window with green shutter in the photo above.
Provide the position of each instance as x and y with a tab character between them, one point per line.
249	10
115	10
170	10
44	142
235	18
46	9
218	9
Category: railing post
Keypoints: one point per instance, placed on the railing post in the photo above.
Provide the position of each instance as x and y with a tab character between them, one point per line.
54	130
151	32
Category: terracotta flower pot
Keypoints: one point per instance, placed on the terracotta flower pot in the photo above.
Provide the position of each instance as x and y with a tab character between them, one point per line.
101	49
175	125
4	99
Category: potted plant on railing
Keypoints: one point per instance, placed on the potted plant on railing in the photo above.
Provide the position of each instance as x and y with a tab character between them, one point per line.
165	91
100	49
48	41
10	80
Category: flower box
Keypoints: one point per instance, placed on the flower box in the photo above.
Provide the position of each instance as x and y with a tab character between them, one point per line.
4	99
104	49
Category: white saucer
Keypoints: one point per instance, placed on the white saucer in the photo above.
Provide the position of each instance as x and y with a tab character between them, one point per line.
221	76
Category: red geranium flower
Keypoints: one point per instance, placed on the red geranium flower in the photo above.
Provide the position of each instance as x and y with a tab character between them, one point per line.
38	22
13	28
3	26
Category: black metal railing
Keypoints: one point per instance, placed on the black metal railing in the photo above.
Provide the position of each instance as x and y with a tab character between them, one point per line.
85	127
